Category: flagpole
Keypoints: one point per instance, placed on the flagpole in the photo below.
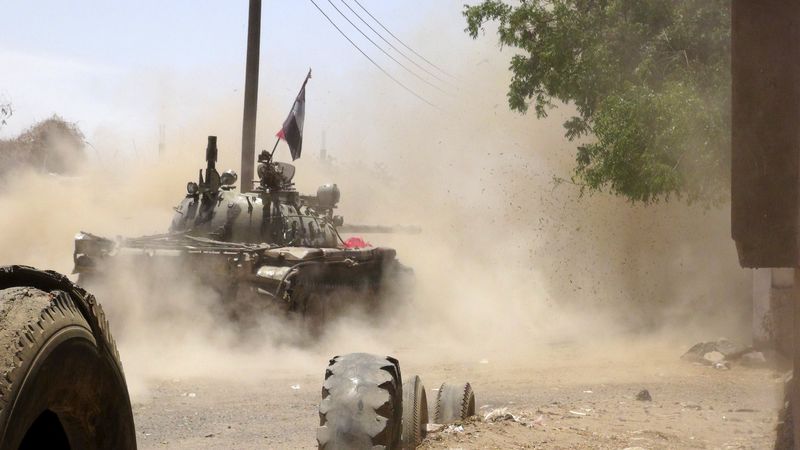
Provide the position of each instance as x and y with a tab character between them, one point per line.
277	141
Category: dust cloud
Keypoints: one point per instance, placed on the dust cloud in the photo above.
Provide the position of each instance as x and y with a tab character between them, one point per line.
508	263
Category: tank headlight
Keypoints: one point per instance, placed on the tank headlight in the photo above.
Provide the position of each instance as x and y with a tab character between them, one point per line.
228	178
328	195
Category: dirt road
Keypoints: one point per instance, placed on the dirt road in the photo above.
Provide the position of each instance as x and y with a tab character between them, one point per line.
562	399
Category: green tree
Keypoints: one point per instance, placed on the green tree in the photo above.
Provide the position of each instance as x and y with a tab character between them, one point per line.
649	79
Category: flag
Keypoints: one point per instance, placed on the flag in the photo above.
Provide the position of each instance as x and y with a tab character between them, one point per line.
292	130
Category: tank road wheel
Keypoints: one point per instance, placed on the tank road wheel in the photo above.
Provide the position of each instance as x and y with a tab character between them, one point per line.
62	385
361	403
455	402
415	413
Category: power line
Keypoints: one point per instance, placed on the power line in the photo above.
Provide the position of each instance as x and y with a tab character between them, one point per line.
410	91
400	41
384	51
411	60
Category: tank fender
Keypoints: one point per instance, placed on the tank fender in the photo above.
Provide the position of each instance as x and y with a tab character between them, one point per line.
275	273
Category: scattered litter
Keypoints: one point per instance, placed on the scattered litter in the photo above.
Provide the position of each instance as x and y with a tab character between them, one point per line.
644	396
634	448
498	415
210	435
689	405
189	394
484	361
295	387
485	406
722	365
454	429
588	392
502	415
577	413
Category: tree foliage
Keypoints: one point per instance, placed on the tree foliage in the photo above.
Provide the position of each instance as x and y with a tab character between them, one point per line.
649	79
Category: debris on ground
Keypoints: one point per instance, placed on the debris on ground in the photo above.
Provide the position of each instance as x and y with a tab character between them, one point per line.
295	387
499	415
713	352
644	396
454	429
690	405
722	365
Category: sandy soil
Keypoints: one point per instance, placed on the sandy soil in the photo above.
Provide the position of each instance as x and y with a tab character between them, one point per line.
562	400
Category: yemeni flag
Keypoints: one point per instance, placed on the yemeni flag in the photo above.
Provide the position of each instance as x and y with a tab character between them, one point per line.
292	130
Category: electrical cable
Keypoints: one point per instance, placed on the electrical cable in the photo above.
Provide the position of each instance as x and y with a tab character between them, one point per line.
401	42
409	90
411	60
384	51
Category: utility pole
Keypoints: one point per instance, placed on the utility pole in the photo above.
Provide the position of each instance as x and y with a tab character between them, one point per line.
323	151
251	95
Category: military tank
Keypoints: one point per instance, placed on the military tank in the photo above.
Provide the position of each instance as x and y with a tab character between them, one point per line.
267	248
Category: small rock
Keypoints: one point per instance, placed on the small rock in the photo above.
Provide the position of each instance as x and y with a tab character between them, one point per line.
295	387
644	396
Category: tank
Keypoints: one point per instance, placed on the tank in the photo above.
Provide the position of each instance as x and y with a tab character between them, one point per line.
267	248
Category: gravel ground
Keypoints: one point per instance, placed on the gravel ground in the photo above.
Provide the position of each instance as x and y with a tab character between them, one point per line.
570	402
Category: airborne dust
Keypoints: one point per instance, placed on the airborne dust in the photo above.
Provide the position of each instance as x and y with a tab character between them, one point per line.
508	263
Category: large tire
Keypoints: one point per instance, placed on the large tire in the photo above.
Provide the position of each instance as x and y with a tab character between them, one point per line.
454	403
415	413
361	403
62	385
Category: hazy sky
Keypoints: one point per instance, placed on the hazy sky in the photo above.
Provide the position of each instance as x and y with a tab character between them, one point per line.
127	66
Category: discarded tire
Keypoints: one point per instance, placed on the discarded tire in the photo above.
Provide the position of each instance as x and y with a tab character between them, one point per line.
455	402
415	413
361	403
62	385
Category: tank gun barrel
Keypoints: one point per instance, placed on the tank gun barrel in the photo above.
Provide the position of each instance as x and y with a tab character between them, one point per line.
211	152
